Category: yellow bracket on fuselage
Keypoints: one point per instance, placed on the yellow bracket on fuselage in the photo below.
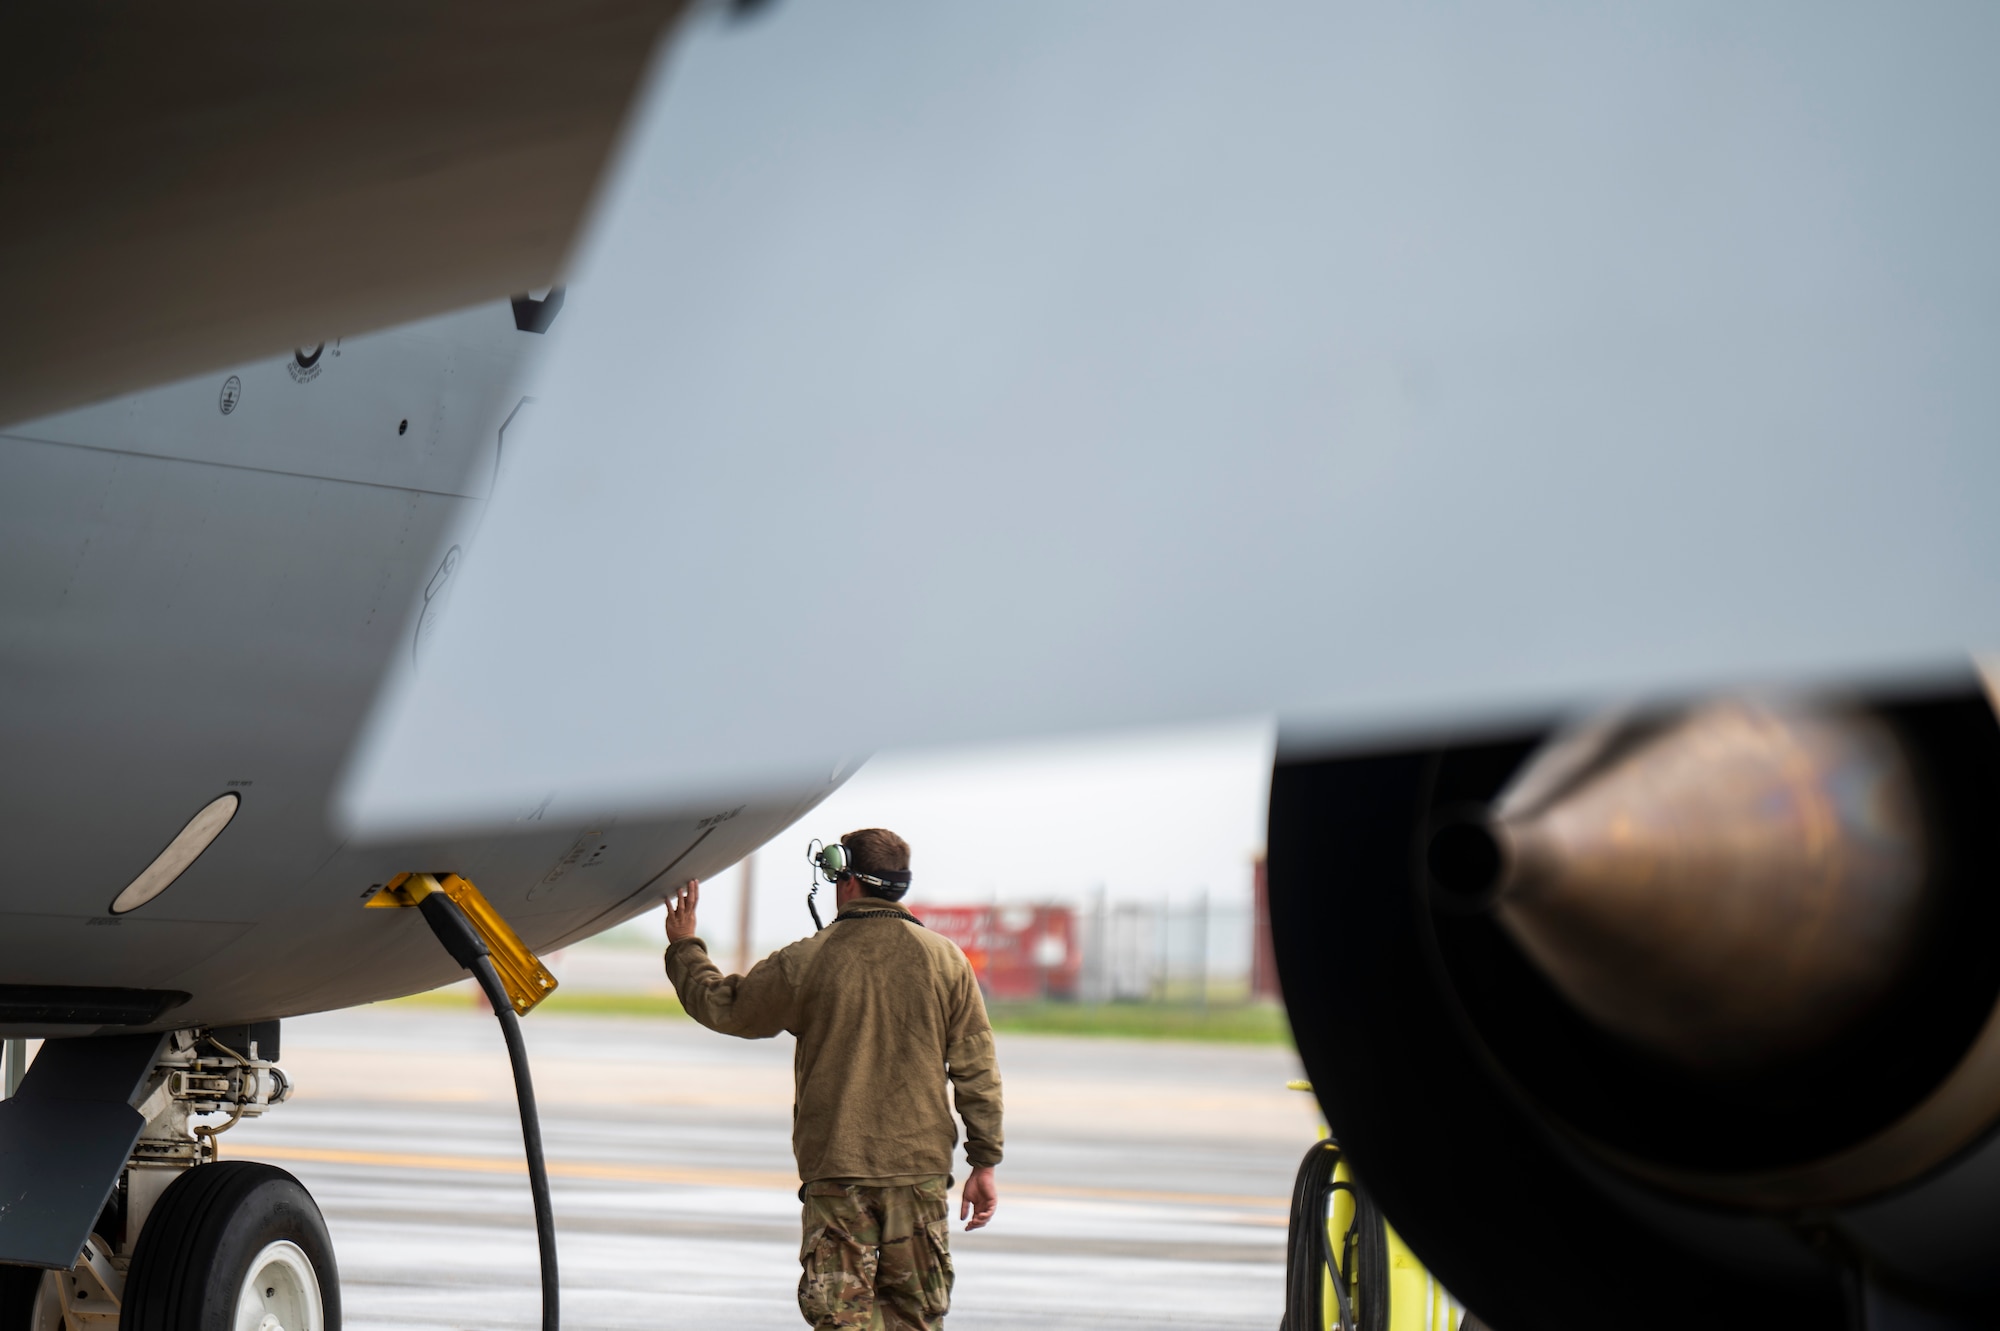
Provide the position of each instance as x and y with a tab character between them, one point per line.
526	979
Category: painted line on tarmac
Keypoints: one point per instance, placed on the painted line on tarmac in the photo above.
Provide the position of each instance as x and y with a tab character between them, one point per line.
724	1178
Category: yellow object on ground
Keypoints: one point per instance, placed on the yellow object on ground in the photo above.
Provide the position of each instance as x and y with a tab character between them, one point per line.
1416	1300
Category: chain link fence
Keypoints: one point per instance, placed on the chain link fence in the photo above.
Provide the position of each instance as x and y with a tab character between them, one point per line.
1164	951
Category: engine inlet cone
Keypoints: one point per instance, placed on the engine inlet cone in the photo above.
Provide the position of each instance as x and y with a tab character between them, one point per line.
1734	886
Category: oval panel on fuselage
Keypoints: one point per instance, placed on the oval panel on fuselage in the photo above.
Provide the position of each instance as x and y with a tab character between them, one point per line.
195	602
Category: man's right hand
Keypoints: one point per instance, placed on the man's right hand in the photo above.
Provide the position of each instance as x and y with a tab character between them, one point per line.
680	912
979	1198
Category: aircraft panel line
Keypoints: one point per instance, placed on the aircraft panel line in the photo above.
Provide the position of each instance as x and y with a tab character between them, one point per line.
233	466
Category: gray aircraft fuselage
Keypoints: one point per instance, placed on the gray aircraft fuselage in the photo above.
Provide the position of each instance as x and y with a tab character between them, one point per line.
201	588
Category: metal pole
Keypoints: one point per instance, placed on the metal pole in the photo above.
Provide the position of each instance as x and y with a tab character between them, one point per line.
743	915
1201	955
1100	938
13	1066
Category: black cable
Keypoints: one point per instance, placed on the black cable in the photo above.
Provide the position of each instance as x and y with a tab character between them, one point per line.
1359	1271
1346	1292
1367	1261
469	950
531	1136
1306	1244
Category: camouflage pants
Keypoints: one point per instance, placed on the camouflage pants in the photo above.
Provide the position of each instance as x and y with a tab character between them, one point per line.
876	1256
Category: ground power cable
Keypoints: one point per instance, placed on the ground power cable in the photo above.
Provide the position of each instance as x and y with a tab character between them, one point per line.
1358	1273
469	950
1304	1293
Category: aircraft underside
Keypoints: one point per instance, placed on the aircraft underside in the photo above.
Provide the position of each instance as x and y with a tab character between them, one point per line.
1389	370
204	586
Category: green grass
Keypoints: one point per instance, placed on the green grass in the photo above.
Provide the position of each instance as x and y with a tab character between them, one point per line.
1233	1023
1223	1023
452	997
584	1003
588	1004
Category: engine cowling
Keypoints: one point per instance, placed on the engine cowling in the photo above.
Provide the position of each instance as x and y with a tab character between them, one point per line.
1681	1013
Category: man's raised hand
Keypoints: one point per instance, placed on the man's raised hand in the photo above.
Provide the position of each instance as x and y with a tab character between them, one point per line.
680	912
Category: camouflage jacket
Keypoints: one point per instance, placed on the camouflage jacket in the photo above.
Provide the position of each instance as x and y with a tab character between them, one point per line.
886	1012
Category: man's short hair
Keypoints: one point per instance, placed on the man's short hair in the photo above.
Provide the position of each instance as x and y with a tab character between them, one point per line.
874	850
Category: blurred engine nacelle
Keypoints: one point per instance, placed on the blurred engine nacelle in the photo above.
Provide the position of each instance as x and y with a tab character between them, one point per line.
1687	1015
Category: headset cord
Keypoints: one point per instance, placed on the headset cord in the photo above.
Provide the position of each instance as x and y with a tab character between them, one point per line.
469	950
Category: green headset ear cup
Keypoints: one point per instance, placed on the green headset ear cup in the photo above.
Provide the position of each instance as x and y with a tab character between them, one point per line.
834	860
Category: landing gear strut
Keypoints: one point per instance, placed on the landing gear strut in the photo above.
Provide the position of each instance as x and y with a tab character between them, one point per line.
115	1214
228	1246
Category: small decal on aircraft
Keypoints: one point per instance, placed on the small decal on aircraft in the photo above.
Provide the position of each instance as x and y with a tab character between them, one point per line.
232	393
435	598
580	855
304	366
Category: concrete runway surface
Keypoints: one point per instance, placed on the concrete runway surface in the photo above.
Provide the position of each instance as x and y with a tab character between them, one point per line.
1145	1183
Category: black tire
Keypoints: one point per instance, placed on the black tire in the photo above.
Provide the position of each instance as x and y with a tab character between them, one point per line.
18	1285
197	1246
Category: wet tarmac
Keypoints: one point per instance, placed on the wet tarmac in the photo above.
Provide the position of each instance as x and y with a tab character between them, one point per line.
1145	1183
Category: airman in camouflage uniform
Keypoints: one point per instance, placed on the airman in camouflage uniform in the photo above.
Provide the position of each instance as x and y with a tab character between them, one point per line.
892	1035
876	1256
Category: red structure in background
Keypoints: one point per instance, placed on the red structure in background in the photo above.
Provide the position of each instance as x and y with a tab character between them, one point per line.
1263	956
1016	951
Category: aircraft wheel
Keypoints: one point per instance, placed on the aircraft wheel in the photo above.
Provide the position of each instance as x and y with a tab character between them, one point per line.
18	1286
233	1246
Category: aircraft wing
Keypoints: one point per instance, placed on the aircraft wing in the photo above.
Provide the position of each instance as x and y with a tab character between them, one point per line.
944	373
192	187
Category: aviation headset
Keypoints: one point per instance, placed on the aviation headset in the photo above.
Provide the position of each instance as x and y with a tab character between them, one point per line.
834	862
